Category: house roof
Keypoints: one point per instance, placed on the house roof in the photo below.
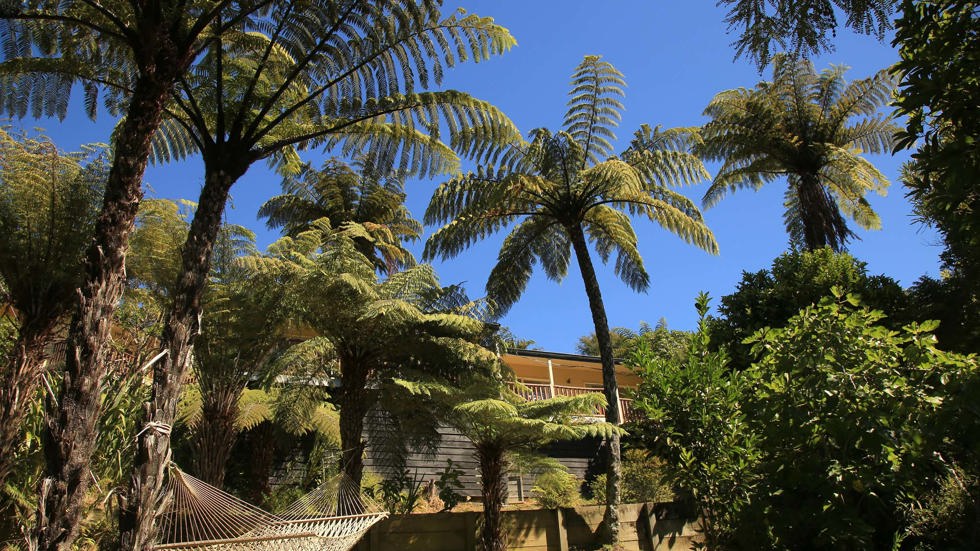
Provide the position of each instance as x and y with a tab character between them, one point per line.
557	355
525	362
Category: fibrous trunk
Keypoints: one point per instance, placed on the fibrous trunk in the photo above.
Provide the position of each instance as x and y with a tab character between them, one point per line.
610	387
493	470
143	502
823	224
215	436
18	382
353	406
71	422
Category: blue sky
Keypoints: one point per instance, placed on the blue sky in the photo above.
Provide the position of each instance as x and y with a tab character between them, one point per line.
675	57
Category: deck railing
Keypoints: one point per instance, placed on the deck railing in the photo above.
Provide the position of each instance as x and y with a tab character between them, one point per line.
531	391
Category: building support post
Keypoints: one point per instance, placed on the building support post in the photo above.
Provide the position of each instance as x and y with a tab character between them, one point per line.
551	379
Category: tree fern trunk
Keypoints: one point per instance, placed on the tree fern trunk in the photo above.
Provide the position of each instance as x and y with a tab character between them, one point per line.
353	406
71	422
493	470
216	433
262	441
610	386
143	502
823	224
18	382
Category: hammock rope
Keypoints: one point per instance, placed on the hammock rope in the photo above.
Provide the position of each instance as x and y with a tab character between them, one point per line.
199	517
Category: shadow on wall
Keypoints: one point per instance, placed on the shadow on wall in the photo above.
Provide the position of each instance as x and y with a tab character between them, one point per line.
645	527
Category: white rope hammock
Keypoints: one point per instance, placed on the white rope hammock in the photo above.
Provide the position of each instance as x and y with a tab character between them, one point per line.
200	517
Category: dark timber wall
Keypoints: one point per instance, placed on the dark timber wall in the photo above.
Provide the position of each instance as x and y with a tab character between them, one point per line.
580	457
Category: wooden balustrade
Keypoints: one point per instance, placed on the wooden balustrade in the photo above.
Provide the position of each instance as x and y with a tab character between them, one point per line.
533	391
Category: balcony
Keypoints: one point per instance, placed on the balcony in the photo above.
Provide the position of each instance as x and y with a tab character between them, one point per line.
531	391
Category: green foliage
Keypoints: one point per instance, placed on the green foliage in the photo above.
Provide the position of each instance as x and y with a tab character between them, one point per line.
556	488
274	87
509	341
770	297
660	339
801	126
803	27
153	262
954	300
947	517
448	483
342	194
385	340
399	494
282	497
844	403
270	75
122	396
939	74
8	334
562	192
844	434
504	426
645	479
48	204
515	424
694	419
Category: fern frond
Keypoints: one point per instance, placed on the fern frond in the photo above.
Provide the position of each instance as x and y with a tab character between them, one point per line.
594	108
515	262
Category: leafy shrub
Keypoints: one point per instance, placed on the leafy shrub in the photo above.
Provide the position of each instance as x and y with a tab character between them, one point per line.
447	484
825	441
644	479
948	517
694	419
556	488
281	497
399	494
796	279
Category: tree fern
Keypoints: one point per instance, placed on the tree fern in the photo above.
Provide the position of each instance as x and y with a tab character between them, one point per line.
362	194
49	200
501	425
802	126
558	192
372	332
137	54
802	27
336	75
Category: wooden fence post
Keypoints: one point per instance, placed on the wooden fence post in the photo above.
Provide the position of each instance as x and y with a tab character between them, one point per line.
469	528
374	538
648	518
562	533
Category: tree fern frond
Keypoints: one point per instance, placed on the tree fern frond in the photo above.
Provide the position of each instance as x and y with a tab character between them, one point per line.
665	157
171	142
863	98
254	408
739	173
515	262
611	232
554	249
594	109
190	407
872	135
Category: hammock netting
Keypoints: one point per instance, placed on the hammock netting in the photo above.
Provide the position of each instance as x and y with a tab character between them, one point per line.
333	517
